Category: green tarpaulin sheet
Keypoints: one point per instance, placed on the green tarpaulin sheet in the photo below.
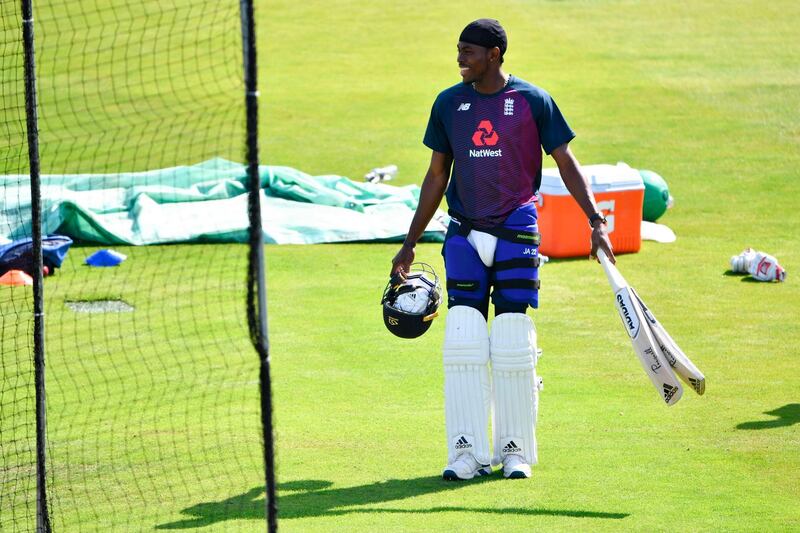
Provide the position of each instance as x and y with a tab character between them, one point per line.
207	203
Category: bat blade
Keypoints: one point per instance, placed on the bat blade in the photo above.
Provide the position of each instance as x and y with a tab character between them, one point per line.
678	360
644	345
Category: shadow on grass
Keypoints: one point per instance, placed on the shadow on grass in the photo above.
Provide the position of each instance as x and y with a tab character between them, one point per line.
746	278
314	498
787	415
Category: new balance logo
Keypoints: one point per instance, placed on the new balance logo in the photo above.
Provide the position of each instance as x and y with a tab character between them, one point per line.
464	106
669	391
462	443
512	447
508	107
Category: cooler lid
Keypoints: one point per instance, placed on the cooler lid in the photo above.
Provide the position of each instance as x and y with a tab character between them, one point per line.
603	178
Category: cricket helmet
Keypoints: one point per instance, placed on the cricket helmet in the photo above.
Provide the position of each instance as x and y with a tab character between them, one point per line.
410	303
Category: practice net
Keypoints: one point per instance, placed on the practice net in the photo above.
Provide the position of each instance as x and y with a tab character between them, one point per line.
17	395
152	383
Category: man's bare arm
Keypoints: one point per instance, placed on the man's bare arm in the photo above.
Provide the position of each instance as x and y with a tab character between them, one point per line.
433	187
579	188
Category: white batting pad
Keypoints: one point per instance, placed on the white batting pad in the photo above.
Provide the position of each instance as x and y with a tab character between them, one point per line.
467	392
515	387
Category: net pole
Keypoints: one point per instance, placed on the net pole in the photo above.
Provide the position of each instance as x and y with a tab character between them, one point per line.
42	514
256	287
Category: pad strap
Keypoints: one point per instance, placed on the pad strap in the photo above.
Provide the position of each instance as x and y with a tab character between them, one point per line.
516	284
518	262
507	234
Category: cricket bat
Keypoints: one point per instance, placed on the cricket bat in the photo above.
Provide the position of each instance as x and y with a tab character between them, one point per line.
678	360
637	326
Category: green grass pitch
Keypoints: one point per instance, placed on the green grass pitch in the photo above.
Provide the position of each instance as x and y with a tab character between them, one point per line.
705	93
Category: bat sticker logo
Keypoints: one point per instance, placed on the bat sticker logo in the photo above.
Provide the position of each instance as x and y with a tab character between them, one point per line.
656	363
671	359
647	314
627	313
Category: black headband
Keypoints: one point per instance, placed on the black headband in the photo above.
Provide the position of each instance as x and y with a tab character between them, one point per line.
487	33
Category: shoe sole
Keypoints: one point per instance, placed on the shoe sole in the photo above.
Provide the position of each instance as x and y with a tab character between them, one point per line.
517	474
450	475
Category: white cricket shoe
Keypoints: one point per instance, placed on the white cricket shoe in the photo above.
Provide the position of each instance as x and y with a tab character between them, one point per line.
465	467
515	467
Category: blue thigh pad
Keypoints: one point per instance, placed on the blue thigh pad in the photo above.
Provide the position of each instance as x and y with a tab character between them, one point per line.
515	275
467	276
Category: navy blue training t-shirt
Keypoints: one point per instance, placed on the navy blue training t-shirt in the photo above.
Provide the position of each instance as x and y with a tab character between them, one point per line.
496	141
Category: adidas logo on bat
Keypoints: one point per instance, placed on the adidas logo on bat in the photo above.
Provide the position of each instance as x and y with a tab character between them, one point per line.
669	391
698	385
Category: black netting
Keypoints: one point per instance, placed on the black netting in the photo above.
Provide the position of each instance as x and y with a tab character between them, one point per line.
152	383
17	394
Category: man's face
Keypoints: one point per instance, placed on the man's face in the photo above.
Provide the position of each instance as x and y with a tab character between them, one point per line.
473	61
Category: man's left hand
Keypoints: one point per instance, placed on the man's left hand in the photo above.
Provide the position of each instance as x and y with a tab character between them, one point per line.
600	241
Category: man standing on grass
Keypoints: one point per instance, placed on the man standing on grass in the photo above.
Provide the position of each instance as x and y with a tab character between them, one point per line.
491	129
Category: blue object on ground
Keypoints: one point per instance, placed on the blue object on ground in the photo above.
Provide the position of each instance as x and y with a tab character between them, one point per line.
105	258
18	255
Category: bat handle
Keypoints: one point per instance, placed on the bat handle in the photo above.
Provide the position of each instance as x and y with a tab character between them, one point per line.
615	279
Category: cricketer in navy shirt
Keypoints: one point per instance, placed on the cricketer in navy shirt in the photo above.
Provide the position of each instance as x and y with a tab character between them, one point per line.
486	135
496	143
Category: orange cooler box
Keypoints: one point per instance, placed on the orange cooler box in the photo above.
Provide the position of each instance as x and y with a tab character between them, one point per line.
619	193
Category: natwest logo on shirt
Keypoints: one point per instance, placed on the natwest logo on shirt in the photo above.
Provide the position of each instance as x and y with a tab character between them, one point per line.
485	134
